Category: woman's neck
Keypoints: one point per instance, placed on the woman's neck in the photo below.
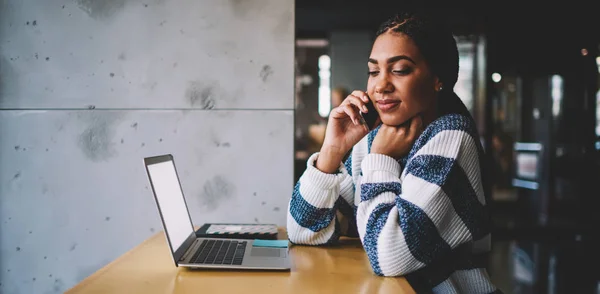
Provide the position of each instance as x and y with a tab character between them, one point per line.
431	114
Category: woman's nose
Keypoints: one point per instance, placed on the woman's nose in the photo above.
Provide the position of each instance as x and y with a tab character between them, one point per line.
383	85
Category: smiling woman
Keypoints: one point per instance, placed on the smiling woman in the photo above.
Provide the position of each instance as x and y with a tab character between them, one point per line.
411	188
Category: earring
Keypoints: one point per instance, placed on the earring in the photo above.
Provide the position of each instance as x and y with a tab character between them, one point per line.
440	88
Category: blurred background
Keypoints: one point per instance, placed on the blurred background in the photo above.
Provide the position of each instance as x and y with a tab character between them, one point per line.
530	78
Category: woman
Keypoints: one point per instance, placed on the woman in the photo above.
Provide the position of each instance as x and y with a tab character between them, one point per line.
411	188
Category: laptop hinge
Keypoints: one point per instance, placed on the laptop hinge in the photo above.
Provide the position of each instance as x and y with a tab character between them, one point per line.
189	251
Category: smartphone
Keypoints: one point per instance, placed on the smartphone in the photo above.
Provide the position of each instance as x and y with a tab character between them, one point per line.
370	118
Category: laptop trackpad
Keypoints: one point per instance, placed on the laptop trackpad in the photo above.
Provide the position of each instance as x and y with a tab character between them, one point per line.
265	252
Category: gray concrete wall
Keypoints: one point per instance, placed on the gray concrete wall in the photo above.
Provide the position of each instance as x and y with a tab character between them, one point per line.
89	88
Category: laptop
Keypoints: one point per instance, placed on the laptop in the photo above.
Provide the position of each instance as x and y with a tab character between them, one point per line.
187	249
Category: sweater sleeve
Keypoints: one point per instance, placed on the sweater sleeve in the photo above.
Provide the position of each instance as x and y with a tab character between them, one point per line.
321	208
409	218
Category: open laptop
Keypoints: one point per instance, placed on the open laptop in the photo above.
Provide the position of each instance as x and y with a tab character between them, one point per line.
191	251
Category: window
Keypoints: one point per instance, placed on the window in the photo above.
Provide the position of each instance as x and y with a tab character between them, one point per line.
324	85
557	94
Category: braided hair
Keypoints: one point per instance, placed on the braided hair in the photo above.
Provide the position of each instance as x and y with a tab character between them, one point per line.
438	47
434	40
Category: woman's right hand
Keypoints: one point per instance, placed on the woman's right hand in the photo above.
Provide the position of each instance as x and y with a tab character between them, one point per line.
344	129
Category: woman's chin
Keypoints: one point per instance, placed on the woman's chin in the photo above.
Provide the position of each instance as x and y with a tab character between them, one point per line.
392	120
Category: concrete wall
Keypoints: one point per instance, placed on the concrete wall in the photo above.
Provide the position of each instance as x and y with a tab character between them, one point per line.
89	88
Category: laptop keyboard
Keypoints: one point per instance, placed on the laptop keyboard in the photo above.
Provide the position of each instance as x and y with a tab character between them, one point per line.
220	252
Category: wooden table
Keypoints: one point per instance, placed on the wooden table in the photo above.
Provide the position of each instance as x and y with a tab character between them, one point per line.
149	268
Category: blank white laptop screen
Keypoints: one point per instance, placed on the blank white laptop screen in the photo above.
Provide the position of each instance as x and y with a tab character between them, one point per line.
171	202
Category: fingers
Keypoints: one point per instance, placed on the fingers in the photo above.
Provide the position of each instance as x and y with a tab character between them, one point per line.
361	95
351	106
357	102
352	112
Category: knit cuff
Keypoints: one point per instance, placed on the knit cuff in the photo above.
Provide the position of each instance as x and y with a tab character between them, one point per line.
381	162
320	179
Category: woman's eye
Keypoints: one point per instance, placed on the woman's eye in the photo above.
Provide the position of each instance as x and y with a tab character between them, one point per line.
401	72
373	72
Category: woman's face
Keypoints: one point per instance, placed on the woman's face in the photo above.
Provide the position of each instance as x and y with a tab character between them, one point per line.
400	82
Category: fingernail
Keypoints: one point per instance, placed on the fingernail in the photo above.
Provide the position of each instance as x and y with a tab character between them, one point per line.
362	121
365	109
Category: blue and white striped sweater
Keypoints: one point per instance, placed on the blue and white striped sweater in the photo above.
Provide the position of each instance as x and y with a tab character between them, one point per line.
422	217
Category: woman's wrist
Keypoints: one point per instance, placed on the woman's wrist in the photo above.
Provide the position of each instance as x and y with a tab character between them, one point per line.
329	160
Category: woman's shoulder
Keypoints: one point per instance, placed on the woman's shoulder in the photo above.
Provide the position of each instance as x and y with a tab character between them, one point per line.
452	122
441	126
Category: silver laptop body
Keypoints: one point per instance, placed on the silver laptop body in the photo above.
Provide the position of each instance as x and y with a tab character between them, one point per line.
193	252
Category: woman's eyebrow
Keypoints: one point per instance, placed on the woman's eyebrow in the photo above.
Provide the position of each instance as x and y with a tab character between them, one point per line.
394	59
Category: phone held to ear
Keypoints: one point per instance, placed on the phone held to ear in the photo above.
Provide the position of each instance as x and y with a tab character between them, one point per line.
370	117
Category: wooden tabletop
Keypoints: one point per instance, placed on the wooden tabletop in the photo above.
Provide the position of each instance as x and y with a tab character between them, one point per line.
149	268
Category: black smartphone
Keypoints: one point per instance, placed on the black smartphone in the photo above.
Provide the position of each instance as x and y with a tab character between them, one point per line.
370	117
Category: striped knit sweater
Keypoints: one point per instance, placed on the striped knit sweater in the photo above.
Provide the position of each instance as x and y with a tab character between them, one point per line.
422	217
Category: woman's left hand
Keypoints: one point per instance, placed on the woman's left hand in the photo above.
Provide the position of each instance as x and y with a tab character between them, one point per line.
396	141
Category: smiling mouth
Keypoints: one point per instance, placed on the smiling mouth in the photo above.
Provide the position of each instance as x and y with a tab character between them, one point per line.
387	105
